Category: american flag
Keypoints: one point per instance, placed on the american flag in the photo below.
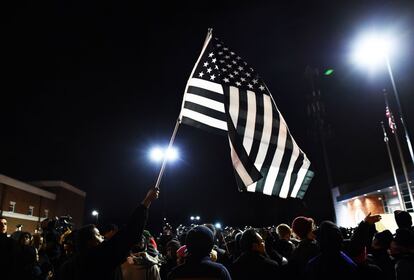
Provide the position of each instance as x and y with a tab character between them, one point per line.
390	118
225	94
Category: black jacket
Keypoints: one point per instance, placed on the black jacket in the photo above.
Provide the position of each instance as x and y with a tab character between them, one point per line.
100	262
252	265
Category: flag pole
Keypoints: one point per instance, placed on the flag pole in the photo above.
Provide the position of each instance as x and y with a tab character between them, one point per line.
386	140
407	181
177	124
164	162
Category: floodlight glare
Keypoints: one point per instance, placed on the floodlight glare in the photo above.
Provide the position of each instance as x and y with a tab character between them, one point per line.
172	154
373	49
95	213
157	154
217	225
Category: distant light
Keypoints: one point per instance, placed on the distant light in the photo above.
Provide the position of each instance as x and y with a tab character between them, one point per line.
379	198
378	190
372	49
197	218
192	218
390	187
217	225
157	154
95	213
328	72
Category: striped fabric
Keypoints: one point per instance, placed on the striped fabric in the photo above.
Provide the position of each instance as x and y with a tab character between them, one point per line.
224	94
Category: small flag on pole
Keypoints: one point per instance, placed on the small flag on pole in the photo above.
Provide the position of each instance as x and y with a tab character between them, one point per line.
225	94
390	118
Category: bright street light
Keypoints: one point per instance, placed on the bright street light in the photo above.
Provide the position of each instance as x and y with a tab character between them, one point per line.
197	218
157	154
373	49
217	225
192	218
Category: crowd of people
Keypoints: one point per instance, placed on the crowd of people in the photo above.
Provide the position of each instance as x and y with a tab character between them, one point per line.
302	250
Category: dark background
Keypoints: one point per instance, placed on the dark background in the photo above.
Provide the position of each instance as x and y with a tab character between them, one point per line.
88	87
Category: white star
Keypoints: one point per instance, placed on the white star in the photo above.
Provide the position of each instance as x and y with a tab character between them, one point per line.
218	45
231	76
232	53
220	53
221	61
223	69
234	62
238	83
229	65
209	70
238	57
214	60
250	85
227	57
226	80
236	73
212	77
262	87
240	68
254	81
248	74
205	64
210	54
216	67
242	79
201	74
225	49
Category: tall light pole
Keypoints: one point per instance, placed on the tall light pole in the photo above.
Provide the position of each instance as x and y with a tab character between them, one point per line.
374	50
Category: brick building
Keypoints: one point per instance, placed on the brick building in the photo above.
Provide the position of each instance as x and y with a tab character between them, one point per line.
30	203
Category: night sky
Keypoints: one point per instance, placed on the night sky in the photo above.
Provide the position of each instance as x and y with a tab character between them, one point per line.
89	86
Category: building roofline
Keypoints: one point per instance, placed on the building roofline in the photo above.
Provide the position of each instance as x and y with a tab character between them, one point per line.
61	184
25	187
374	186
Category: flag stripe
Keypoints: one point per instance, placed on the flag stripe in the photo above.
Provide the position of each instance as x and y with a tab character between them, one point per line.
276	161
216	96
234	104
296	168
211	86
284	191
250	122
202	118
205	102
203	126
287	154
242	116
274	135
301	176
205	111
258	128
